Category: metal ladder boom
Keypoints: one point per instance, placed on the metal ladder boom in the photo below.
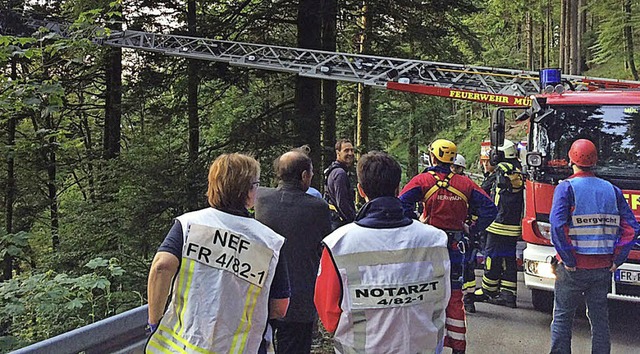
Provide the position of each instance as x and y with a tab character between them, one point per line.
366	69
475	83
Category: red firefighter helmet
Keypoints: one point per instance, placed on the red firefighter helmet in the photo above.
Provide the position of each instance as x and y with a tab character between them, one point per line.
583	153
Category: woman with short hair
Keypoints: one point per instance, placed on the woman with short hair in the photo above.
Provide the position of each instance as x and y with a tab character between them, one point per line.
224	267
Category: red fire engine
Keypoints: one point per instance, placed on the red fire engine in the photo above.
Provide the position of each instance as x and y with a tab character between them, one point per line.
609	118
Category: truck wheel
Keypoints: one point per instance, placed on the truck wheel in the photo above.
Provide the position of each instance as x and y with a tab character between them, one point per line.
542	300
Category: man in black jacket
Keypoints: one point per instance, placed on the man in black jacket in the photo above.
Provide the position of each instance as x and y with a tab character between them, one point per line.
338	190
304	221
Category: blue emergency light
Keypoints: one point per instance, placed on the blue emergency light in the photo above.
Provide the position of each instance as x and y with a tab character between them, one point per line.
550	77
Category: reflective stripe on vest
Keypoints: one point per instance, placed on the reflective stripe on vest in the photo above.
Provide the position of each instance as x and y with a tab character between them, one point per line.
399	279
220	295
444	184
497	227
595	220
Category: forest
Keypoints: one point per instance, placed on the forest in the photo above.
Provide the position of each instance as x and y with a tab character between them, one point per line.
101	147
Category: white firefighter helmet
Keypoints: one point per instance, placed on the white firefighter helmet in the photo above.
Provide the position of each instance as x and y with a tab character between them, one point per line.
509	148
460	161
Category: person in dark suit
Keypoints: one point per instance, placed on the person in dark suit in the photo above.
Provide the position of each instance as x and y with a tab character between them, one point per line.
304	221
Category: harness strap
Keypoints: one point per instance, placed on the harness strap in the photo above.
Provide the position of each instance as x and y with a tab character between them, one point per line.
444	184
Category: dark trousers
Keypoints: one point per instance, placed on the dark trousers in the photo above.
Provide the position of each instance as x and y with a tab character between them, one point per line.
500	267
292	337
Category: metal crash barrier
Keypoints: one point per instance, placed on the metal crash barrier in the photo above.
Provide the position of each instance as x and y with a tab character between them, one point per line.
122	333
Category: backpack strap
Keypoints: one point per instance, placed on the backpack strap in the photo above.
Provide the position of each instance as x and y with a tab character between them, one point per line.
444	184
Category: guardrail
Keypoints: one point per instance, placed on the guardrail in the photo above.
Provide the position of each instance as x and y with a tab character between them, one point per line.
120	334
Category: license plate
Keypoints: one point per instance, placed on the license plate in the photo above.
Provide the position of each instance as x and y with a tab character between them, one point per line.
627	276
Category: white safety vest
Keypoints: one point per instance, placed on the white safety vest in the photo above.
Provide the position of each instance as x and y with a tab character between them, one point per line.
395	288
221	293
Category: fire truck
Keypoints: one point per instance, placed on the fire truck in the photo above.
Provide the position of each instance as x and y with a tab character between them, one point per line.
610	117
557	108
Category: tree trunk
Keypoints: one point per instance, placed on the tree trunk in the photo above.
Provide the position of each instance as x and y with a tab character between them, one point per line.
49	157
88	144
628	37
329	87
542	43
113	104
550	37
10	191
567	37
364	94
574	54
362	131
308	91
581	29
529	32
561	36
519	36
192	111
53	193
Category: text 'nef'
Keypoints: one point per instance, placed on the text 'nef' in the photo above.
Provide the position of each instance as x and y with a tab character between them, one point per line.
230	240
221	238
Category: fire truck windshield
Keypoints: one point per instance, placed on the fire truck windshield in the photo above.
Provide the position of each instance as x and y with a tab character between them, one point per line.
614	129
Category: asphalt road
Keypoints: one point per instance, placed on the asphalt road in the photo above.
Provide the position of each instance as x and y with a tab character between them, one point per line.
496	330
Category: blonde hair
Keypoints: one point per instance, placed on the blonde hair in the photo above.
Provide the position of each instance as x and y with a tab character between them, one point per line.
231	177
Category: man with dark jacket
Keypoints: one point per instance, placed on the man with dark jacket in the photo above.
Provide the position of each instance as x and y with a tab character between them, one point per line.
338	190
304	221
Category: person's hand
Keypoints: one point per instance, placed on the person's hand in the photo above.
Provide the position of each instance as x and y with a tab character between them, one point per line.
613	268
570	269
423	219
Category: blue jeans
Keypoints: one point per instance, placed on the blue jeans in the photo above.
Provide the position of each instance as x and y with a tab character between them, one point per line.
594	284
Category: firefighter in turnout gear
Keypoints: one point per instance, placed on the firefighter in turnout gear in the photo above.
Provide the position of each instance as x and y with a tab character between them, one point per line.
447	197
499	282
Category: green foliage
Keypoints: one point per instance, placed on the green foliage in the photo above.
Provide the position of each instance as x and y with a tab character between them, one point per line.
42	305
610	34
499	27
15	245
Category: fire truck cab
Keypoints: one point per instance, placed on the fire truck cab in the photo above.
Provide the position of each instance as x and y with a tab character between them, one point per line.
609	118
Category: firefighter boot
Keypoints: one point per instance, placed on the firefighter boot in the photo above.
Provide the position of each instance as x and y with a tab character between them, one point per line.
481	296
469	302
505	298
